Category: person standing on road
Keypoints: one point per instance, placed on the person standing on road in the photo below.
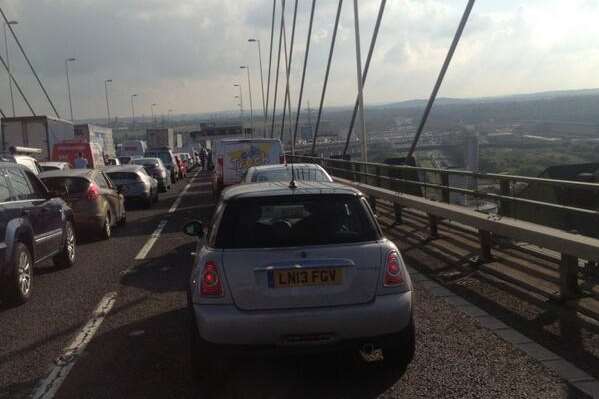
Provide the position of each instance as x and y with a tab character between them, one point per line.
203	158
80	162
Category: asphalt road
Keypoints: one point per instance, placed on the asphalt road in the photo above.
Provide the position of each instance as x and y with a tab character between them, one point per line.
140	349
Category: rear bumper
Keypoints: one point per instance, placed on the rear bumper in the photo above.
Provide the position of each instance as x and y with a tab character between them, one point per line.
88	221
227	325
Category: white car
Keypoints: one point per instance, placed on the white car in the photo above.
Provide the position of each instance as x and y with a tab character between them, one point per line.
284	172
48	166
303	266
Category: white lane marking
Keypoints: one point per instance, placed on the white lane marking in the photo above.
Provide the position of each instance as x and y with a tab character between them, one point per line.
143	252
50	385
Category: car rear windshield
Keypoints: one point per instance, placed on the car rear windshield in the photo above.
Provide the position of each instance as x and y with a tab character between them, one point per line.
164	156
306	174
71	185
285	221
124	176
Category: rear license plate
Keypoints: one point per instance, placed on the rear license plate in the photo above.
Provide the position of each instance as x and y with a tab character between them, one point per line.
291	278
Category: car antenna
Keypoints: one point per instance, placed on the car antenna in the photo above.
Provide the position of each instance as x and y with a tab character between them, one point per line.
292	184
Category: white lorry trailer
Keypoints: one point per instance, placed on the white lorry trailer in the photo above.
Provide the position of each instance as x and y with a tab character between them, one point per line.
36	132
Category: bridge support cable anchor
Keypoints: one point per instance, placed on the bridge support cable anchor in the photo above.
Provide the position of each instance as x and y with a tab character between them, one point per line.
375	34
301	92
326	76
272	32
274	103
431	100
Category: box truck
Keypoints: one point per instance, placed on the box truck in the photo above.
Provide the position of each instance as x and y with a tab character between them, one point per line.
37	132
161	137
99	135
235	156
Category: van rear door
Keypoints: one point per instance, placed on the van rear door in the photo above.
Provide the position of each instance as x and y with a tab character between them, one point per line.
239	155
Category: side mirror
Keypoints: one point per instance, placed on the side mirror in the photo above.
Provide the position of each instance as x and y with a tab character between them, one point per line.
194	228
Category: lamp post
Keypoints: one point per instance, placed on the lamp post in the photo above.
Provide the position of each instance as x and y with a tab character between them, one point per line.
66	67
12	99
107	103
261	77
247	68
133	109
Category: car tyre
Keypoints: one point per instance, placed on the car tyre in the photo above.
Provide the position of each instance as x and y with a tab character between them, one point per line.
17	289
106	231
401	353
66	257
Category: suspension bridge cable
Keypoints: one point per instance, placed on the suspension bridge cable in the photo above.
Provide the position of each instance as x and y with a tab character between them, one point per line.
326	77
301	93
431	100
287	104
11	76
274	104
375	34
272	31
29	62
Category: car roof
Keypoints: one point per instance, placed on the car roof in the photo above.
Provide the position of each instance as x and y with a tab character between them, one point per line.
53	163
268	189
5	163
68	173
249	140
278	166
124	168
153	159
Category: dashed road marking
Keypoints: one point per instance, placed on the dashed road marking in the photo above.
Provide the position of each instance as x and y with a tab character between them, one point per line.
143	252
65	362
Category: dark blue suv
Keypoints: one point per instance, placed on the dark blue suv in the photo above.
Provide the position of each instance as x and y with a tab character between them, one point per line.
34	226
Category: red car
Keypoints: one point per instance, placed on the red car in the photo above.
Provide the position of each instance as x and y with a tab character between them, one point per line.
182	166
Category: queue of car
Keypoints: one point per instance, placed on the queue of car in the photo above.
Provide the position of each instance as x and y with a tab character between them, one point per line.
45	205
294	261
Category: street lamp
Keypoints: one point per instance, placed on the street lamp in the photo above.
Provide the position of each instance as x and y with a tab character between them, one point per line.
261	77
247	68
133	109
66	67
106	93
240	102
12	100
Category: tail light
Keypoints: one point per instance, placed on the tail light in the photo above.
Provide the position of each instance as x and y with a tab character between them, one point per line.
210	283
93	192
282	158
393	270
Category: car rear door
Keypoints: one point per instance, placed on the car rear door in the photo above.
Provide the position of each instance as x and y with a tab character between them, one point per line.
28	204
109	194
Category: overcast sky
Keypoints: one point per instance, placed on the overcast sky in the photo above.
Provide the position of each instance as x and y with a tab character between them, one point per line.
185	54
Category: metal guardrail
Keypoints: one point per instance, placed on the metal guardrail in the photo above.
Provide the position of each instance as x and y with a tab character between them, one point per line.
531	199
384	186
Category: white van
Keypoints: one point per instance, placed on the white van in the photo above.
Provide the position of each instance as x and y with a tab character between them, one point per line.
235	156
133	148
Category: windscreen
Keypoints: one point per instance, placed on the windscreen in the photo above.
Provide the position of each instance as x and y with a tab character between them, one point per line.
165	157
71	185
296	220
306	174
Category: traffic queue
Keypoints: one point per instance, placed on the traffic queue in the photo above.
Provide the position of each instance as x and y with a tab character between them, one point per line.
68	187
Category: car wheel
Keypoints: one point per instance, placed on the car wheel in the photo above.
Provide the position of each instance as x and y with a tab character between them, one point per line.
18	286
106	231
123	220
401	352
66	258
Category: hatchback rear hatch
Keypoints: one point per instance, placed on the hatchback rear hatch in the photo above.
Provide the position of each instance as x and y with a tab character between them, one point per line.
72	189
299	251
129	182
